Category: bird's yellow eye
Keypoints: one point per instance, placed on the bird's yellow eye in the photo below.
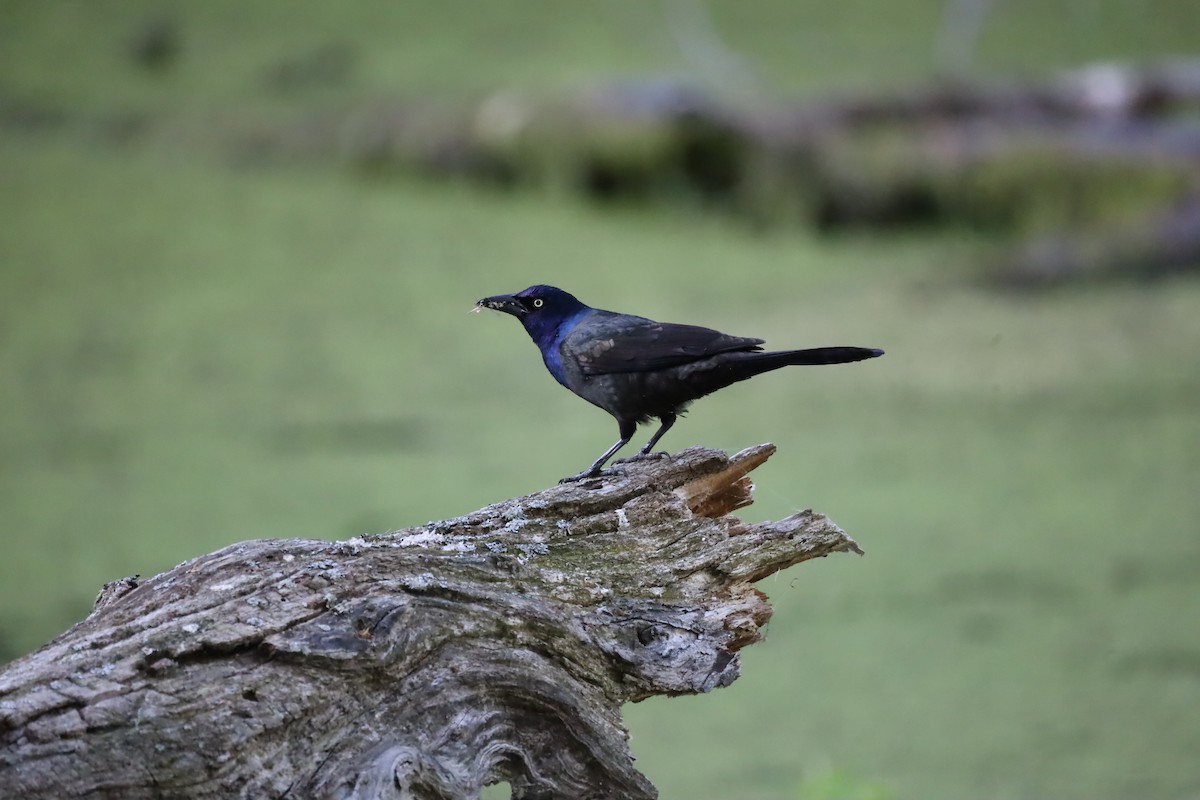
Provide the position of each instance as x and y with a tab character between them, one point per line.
538	303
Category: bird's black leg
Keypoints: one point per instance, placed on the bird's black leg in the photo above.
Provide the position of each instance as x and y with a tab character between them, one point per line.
667	421
628	428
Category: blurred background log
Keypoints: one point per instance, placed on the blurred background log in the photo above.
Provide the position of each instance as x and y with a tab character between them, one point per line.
1069	153
423	663
1162	244
1032	163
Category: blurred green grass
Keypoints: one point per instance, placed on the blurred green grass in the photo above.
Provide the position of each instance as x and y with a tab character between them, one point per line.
197	352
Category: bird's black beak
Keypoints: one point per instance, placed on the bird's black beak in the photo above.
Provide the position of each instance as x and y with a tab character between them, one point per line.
503	302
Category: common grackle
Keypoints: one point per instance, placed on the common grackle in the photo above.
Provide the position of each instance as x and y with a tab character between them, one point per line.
635	368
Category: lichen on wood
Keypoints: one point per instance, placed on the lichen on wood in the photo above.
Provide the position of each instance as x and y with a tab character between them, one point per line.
421	663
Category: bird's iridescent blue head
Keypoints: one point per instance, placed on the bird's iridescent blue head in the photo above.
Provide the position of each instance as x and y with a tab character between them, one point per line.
542	309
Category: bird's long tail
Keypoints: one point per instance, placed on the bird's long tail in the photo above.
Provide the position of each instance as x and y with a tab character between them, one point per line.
817	355
736	367
707	376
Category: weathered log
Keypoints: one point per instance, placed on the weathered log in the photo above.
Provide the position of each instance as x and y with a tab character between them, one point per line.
421	663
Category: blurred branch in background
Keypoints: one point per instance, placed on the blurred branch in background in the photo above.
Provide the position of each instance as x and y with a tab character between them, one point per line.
708	53
958	38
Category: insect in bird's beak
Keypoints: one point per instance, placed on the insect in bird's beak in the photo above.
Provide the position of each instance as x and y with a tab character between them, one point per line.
502	302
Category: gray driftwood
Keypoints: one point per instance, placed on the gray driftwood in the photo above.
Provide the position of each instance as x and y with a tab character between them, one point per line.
423	663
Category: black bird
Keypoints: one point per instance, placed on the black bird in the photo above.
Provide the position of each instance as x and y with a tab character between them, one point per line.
635	368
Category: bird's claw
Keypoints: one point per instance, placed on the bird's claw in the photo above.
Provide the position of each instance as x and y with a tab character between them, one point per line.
588	475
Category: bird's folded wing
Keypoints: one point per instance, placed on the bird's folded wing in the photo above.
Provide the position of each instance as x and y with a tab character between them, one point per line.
634	344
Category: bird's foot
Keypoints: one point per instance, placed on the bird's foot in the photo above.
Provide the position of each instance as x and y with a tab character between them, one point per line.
587	474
